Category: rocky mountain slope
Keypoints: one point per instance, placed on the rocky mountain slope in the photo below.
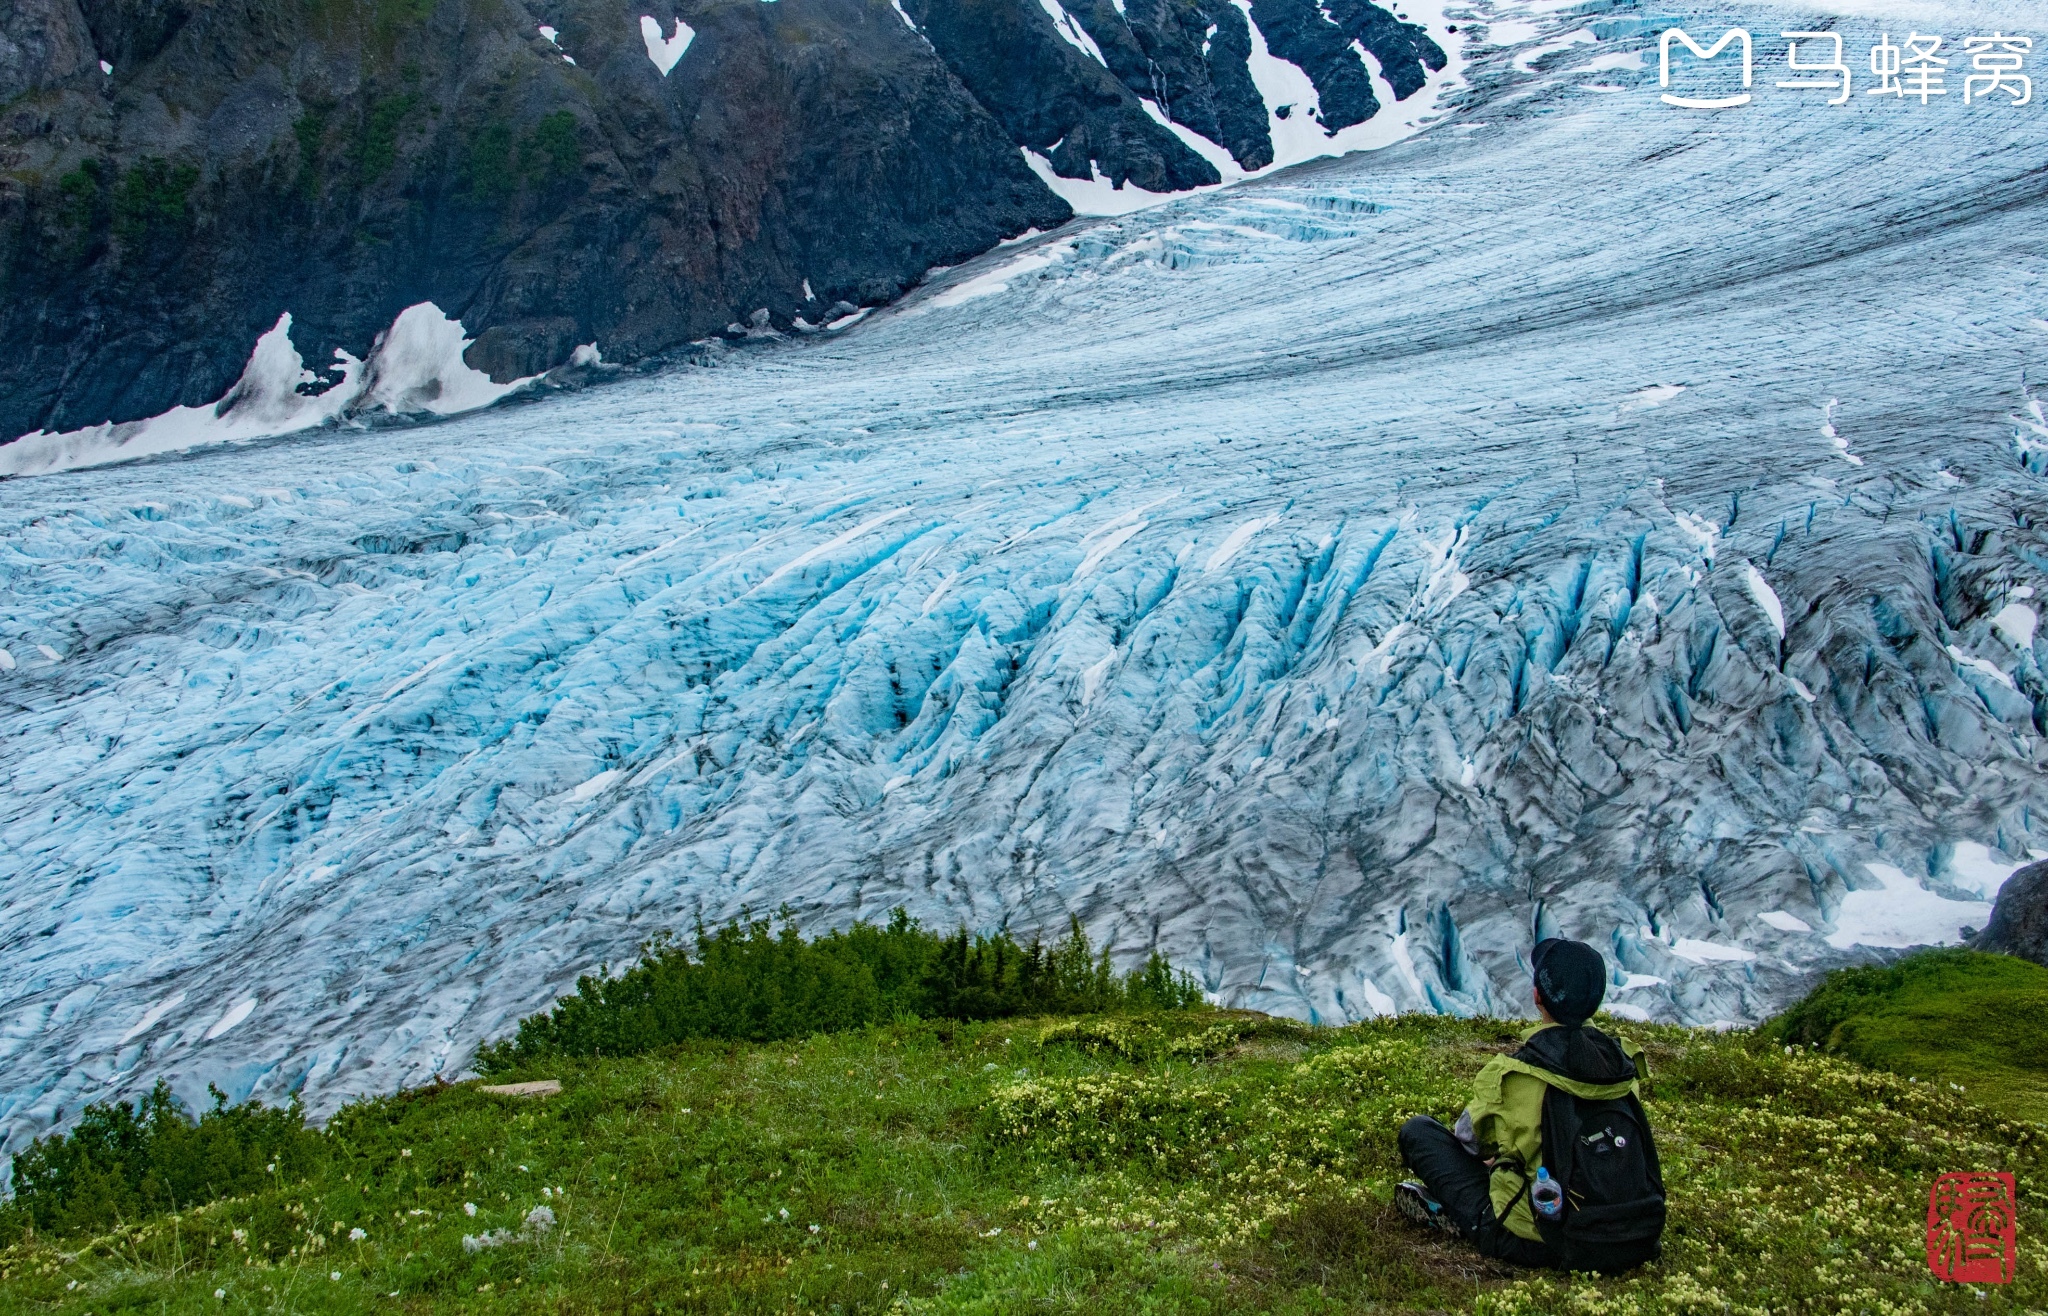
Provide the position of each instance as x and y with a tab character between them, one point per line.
176	175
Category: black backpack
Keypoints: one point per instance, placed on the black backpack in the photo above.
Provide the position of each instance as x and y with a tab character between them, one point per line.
1602	1153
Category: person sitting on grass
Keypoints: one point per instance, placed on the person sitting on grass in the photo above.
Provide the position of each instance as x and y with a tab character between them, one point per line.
1552	1164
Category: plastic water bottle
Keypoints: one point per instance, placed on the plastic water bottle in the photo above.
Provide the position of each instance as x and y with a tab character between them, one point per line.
1547	1196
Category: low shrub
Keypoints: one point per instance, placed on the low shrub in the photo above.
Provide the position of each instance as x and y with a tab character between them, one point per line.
123	1163
747	982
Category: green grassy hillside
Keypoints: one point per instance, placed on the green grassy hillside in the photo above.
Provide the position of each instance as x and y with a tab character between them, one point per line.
1952	1016
1169	1162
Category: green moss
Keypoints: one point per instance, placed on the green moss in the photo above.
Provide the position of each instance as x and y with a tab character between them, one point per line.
551	151
310	130
377	149
384	20
1952	1016
81	207
151	197
487	163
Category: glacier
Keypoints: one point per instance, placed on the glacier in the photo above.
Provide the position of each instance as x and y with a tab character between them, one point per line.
1585	516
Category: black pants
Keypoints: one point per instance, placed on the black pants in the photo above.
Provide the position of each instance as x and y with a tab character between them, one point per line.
1461	1181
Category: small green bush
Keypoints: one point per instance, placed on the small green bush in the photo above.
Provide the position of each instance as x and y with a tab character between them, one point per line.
487	164
378	149
551	150
122	1163
152	196
746	982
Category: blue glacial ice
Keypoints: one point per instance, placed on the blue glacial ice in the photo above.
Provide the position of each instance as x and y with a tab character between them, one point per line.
1586	516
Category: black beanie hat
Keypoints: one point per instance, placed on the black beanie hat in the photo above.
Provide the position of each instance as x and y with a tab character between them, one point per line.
1570	977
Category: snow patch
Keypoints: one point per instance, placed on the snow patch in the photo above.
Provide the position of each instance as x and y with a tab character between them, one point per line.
1656	395
1701	531
415	367
237	1012
1902	913
1974	867
1766	597
804	559
151	1016
1074	34
1236	540
1982	666
1285	86
1109	543
1404	965
1828	431
2016	622
1446	581
665	51
1785	922
6	661
1620	59
1623	1010
1710	952
1381	1003
1637	980
998	280
594	786
1526	61
1091	679
1095	195
418	367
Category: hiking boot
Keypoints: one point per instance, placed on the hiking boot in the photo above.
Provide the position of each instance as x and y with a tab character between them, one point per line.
1413	1201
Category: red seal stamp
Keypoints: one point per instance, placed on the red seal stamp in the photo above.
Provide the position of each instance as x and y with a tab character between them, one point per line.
1971	1219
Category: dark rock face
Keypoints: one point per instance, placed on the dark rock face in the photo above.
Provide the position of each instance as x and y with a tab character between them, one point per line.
41	42
2019	920
345	159
1053	97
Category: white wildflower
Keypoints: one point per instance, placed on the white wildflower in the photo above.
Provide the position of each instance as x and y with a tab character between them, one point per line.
814	1229
334	1274
489	1238
784	1213
540	1219
469	1209
357	1235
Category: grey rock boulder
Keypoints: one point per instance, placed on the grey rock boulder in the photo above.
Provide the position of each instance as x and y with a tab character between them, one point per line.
2019	919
